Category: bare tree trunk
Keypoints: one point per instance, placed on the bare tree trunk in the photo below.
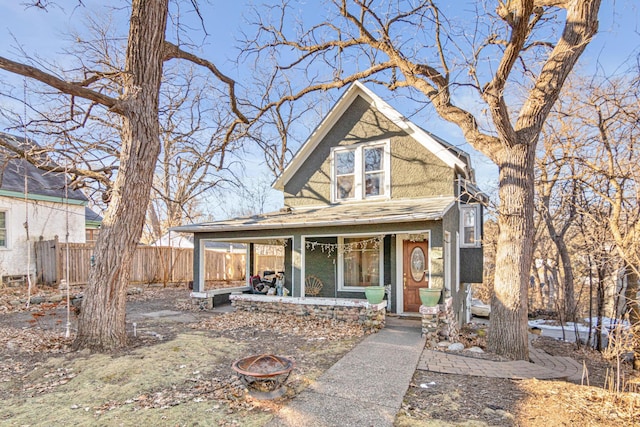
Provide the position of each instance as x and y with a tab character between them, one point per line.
102	320
569	301
537	297
631	295
566	292
549	284
555	278
508	331
590	335
600	303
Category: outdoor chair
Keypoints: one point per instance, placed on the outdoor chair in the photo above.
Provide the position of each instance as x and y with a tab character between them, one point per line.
312	286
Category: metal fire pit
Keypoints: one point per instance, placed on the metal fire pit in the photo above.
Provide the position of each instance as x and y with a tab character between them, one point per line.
264	374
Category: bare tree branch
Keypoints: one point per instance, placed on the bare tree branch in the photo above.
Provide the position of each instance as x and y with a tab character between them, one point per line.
63	86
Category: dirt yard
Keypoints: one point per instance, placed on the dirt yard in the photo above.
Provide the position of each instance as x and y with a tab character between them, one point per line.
177	372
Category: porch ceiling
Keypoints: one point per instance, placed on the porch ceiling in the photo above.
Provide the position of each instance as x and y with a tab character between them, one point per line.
394	211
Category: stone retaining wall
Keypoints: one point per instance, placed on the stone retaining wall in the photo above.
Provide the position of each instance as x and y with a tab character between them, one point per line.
439	323
370	316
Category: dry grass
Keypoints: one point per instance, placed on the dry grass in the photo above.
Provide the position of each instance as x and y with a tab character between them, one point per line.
187	379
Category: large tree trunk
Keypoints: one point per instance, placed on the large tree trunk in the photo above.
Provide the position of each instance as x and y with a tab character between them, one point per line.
508	331
102	319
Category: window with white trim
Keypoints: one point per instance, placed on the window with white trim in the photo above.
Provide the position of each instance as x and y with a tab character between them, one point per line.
470	225
345	174
3	229
360	264
361	171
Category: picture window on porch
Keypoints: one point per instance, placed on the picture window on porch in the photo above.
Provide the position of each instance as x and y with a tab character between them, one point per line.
360	265
470	226
361	171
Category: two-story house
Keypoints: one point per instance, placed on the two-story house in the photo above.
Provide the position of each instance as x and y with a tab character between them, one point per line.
370	199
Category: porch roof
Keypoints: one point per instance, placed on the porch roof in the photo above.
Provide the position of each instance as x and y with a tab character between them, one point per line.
390	211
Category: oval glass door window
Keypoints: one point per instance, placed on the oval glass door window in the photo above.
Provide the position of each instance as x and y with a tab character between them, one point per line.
418	264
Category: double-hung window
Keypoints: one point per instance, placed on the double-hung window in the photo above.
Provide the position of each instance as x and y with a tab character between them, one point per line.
373	171
361	171
345	161
470	225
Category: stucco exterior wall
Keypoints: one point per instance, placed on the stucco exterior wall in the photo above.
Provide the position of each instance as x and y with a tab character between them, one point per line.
46	221
415	171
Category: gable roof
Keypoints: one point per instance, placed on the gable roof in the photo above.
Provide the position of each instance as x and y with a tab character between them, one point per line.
91	218
47	185
450	155
408	210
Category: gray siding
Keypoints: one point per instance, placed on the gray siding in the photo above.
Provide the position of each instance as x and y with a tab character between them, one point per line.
415	171
471	268
450	224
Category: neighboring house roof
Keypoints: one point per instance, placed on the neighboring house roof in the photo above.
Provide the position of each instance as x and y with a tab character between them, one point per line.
407	210
450	155
91	218
41	184
178	240
175	240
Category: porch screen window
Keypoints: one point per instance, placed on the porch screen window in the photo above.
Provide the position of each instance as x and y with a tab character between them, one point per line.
470	225
361	262
361	171
3	229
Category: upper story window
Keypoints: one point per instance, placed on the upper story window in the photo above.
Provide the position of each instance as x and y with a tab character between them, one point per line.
470	225
345	174
361	171
3	229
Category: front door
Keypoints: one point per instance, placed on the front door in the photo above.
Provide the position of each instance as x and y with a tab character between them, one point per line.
415	273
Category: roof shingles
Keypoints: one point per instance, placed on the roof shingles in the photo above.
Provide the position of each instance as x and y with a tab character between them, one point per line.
407	210
40	182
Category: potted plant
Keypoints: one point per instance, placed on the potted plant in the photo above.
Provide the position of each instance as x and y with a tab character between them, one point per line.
374	294
430	296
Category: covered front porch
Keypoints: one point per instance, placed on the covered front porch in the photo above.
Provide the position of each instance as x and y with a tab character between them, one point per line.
335	252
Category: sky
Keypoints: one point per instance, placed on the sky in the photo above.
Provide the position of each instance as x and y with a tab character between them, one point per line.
42	33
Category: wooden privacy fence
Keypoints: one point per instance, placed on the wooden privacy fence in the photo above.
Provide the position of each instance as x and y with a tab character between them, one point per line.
150	264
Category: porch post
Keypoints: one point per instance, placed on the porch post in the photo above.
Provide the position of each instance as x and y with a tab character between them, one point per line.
297	266
251	257
198	264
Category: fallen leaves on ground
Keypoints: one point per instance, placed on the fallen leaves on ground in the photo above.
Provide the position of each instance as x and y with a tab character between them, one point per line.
309	328
34	340
315	345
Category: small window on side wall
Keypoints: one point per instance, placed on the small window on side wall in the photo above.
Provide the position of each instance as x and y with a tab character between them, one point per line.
470	226
3	229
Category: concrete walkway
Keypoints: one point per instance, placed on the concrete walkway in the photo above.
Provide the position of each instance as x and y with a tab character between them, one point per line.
364	388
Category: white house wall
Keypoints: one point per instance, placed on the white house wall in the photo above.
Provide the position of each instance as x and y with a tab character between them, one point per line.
46	220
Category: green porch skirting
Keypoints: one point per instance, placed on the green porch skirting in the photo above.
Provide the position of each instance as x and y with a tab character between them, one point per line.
370	316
